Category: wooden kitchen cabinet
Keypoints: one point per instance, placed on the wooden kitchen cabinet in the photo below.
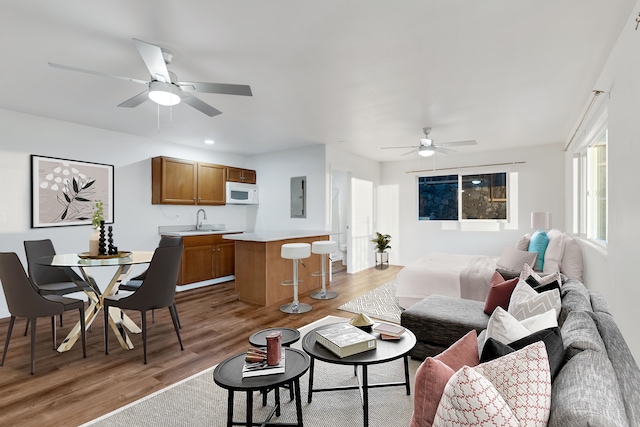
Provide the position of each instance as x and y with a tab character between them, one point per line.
185	182
246	176
206	257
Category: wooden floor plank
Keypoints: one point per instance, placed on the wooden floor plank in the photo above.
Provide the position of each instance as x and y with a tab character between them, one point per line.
68	390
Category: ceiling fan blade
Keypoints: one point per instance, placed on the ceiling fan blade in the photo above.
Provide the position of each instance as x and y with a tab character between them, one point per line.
97	73
153	59
388	148
136	100
443	150
458	143
410	152
200	105
223	88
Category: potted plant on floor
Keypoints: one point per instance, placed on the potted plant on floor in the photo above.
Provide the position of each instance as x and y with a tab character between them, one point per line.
381	242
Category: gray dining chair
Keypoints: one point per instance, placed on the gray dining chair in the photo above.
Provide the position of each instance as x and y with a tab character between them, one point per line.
24	301
157	290
49	280
133	284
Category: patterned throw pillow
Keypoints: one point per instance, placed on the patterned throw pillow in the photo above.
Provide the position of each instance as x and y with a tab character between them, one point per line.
469	399
526	302
527	272
523	379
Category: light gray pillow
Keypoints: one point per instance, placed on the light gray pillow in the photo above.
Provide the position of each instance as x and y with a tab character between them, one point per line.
515	259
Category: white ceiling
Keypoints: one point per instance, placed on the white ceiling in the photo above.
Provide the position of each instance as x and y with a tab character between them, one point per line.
359	74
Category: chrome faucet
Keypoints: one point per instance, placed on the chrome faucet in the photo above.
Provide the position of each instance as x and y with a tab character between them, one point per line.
198	222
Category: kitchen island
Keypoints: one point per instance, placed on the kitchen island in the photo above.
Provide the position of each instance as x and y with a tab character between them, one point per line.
260	269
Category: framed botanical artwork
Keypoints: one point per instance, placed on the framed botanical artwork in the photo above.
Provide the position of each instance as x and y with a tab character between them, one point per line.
64	192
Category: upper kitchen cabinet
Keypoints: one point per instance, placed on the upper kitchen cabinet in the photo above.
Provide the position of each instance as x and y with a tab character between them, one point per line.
185	182
247	176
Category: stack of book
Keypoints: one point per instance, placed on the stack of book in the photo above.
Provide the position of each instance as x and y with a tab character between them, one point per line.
256	369
389	331
345	340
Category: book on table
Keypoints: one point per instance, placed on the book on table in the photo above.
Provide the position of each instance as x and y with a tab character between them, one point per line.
261	368
388	330
345	340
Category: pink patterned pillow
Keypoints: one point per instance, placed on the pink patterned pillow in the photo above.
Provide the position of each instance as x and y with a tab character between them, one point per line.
469	399
523	379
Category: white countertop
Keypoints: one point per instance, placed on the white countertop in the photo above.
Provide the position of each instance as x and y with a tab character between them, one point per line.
197	232
273	236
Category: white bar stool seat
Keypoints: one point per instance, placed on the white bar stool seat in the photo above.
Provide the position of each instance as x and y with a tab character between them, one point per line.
295	252
323	247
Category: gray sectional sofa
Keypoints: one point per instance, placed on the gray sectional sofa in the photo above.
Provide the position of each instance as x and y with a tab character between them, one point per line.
599	382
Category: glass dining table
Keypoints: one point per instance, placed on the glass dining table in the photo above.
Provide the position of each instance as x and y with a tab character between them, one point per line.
118	320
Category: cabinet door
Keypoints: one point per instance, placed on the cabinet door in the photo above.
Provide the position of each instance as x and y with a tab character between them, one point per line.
225	259
234	174
249	176
174	181
197	264
211	184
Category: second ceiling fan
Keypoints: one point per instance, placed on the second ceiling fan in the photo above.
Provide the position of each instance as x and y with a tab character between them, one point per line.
428	147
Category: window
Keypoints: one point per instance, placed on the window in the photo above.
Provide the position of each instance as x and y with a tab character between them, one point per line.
456	197
590	189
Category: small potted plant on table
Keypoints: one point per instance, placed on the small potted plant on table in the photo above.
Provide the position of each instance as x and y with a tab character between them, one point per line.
381	242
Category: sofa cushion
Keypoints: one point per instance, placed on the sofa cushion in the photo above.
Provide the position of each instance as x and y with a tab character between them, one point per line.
586	393
499	293
551	337
526	302
432	376
579	333
438	321
598	303
469	399
623	363
538	243
523	380
575	297
515	259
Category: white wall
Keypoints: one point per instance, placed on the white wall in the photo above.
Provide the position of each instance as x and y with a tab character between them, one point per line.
274	172
614	272
538	190
136	219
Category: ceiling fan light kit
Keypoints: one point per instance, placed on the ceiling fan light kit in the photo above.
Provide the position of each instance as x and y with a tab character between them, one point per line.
425	151
163	93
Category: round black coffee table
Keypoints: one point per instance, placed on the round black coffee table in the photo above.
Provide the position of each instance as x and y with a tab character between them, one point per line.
259	339
385	351
228	375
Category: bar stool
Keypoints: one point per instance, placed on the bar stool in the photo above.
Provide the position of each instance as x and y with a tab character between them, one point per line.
295	252
323	247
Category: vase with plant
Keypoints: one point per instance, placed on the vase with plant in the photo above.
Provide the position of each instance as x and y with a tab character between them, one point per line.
96	221
381	242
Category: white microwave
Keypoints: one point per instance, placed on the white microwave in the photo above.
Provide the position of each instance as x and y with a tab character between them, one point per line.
242	194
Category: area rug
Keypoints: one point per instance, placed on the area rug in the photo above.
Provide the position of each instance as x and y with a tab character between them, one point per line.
198	401
379	303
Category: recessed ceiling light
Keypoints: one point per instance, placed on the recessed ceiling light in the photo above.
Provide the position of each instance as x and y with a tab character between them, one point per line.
209	141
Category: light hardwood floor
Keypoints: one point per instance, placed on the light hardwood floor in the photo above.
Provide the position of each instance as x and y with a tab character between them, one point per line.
68	390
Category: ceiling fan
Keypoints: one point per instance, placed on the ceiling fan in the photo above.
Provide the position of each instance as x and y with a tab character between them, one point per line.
164	87
428	147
